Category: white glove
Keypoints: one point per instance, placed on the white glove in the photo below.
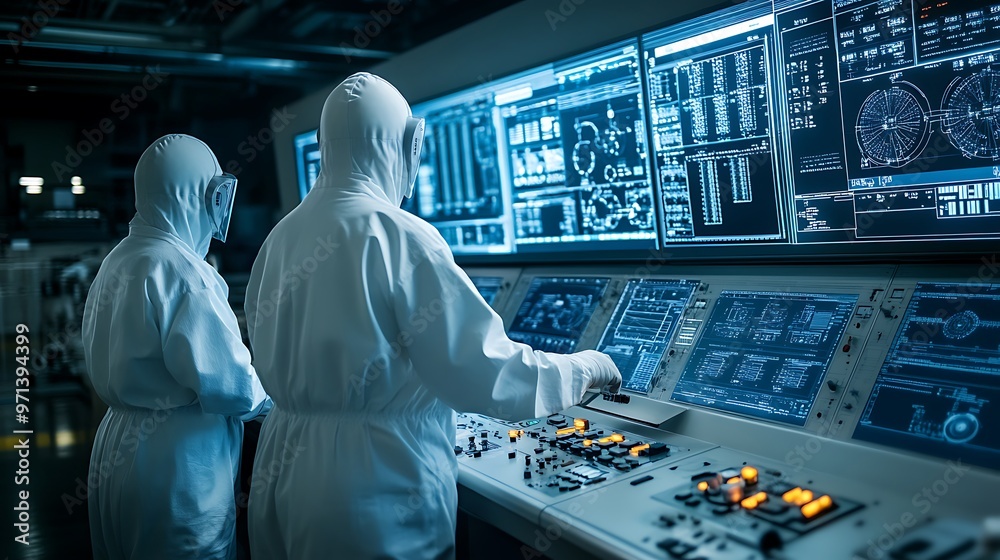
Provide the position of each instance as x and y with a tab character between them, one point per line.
599	370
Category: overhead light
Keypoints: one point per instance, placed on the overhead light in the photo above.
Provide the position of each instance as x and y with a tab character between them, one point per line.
78	189
33	189
31	181
32	89
75	180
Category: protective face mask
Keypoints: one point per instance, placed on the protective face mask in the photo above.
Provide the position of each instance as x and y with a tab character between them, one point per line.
219	200
413	139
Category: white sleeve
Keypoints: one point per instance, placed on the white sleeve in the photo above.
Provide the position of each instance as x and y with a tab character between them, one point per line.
203	350
458	347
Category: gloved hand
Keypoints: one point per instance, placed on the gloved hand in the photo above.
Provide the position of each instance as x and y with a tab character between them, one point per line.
600	370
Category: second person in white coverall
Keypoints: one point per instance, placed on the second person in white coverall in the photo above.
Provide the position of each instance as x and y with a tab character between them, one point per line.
368	336
164	352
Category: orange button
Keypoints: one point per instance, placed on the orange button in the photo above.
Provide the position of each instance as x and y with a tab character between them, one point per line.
792	496
804	498
816	507
638	449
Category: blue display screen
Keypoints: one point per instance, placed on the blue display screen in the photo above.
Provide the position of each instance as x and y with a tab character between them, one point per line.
938	391
556	311
642	327
764	354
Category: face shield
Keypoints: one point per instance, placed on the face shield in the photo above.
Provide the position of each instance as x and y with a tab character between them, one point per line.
413	140
219	201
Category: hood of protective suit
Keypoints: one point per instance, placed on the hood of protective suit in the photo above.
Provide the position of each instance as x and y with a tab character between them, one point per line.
171	179
361	138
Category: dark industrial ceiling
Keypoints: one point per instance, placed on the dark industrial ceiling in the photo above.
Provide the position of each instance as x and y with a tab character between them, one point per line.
218	56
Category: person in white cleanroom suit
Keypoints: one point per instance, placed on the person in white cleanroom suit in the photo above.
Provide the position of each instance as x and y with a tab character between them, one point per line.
368	337
164	351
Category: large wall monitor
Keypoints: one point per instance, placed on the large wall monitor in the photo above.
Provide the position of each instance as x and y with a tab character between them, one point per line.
938	391
764	354
786	127
711	99
556	311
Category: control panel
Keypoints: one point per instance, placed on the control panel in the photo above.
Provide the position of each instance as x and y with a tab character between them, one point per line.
548	459
770	414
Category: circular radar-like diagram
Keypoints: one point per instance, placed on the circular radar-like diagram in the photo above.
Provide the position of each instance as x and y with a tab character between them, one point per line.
961	428
893	127
972	114
961	325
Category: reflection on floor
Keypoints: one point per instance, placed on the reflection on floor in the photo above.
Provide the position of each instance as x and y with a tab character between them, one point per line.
59	454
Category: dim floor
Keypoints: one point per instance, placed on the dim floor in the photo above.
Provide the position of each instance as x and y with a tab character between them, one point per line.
59	455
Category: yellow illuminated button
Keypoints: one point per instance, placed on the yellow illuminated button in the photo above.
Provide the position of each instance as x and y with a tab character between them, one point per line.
605	439
749	475
564	431
702	486
816	507
754	501
792	496
514	433
587	442
804	498
733	480
617	438
581	424
635	451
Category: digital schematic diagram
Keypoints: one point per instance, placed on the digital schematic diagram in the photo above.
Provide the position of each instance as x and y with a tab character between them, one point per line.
938	390
605	209
488	286
576	142
874	37
893	126
922	126
556	311
764	354
972	114
642	327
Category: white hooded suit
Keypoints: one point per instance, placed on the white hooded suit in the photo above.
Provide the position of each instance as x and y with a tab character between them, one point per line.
164	352
367	336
